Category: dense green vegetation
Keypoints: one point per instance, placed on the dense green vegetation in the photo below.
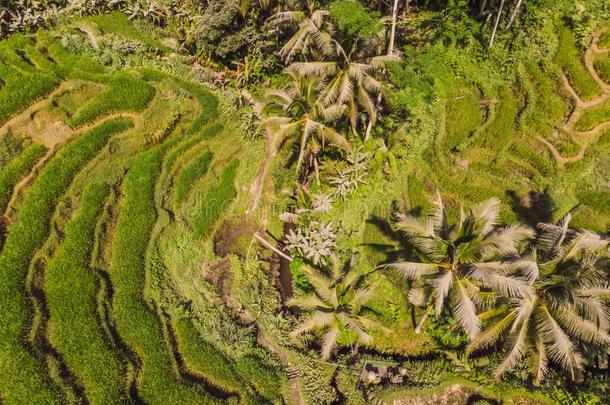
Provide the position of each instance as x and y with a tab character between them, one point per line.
17	169
268	202
97	368
190	174
24	237
215	200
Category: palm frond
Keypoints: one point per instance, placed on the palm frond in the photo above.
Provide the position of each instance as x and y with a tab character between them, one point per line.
518	347
413	270
581	329
441	286
317	320
329	341
490	275
504	242
464	310
491	335
485	216
559	347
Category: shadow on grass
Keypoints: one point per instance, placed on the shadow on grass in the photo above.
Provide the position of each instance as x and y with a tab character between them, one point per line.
534	207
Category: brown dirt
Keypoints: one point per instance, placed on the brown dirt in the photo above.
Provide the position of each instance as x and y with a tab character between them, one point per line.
47	129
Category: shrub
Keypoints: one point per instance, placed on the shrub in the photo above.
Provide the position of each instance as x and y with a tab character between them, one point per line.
604	40
73	329
136	322
125	93
215	200
17	169
190	174
354	20
22	377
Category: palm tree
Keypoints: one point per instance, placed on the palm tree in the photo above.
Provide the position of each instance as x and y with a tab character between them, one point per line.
313	27
337	303
352	77
563	308
298	114
349	65
447	255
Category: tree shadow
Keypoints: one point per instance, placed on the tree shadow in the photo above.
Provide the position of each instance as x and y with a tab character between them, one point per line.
534	207
397	248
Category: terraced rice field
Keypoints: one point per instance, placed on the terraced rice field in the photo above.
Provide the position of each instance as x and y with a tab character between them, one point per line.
549	131
85	194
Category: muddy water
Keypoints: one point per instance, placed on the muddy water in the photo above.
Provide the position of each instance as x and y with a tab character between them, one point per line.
285	274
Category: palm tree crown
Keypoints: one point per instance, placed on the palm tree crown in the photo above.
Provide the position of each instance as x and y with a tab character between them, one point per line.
347	65
338	303
459	261
562	308
296	113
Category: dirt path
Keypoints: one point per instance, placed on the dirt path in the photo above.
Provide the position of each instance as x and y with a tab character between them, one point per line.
265	342
270	151
582	138
37	106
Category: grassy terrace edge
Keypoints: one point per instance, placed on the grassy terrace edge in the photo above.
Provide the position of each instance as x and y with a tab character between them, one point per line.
22	375
137	322
73	329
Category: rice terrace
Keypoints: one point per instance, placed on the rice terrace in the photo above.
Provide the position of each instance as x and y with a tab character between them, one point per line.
304	202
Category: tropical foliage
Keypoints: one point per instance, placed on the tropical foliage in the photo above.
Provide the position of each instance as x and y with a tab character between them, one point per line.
337	304
563	308
459	263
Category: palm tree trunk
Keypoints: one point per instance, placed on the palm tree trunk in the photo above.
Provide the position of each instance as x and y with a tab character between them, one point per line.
423	319
514	14
369	126
482	7
393	31
493	33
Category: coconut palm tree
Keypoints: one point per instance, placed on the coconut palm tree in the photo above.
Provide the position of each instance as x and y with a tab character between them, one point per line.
445	255
565	306
312	35
352	76
348	64
298	114
337	303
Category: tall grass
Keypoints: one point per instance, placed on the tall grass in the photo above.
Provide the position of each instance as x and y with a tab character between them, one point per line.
125	93
16	169
593	117
501	129
207	100
568	57
215	200
203	358
118	23
602	67
192	172
23	83
137	322
71	297
22	378
206	132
